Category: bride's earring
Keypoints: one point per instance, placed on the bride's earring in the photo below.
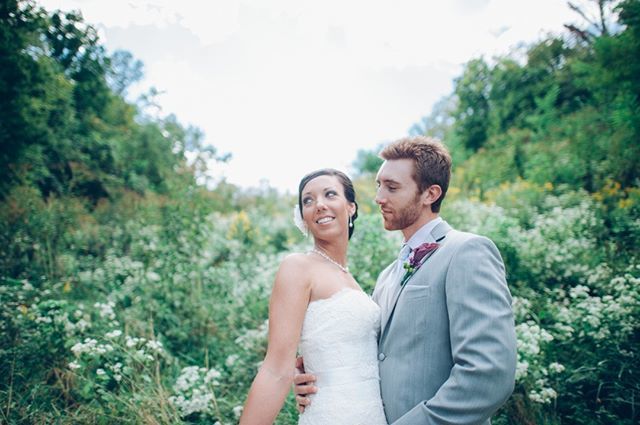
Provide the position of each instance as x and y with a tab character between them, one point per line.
350	222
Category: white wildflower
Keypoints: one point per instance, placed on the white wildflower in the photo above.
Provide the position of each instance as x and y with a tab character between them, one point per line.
154	345
556	367
231	360
88	346
113	334
237	411
153	276
211	376
82	325
522	367
106	310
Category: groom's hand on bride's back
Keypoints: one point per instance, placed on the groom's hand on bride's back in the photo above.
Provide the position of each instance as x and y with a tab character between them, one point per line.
303	385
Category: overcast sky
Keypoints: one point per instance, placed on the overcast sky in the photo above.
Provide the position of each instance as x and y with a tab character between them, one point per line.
289	86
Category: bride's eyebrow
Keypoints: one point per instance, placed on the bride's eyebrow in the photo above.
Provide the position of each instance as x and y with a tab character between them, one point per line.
324	190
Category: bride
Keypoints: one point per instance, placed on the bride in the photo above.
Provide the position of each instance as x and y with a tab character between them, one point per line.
318	307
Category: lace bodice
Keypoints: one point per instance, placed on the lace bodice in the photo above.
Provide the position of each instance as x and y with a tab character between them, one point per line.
339	346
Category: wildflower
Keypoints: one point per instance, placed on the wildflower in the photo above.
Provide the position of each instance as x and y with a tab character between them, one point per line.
556	367
211	376
88	346
153	276
231	360
132	342
154	346
522	368
113	334
237	411
106	309
82	325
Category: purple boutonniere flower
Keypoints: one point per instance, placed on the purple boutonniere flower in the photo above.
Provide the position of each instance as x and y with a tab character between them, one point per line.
417	257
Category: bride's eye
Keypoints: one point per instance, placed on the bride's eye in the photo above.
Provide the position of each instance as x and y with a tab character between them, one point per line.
307	201
331	193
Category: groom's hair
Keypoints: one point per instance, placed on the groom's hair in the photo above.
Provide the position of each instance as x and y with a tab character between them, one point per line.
347	185
432	162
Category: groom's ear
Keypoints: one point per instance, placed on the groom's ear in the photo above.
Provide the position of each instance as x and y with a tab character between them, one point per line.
431	195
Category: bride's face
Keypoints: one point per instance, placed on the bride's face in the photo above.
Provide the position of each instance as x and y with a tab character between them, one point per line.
325	208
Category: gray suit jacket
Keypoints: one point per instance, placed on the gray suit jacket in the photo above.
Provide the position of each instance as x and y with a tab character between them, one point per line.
448	351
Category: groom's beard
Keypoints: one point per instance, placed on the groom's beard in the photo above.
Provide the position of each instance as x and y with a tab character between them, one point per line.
405	216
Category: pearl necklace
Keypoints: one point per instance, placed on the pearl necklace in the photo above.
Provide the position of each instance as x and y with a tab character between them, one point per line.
325	256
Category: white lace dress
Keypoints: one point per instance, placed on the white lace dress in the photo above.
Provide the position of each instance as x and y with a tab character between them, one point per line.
339	346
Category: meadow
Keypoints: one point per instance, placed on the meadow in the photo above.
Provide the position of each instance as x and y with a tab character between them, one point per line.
132	293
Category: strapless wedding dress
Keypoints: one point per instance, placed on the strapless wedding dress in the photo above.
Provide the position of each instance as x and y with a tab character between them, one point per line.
339	346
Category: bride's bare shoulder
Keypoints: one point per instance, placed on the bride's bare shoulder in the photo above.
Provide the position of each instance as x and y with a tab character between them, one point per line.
295	261
294	272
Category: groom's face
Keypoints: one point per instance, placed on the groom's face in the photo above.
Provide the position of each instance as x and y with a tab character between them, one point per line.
397	194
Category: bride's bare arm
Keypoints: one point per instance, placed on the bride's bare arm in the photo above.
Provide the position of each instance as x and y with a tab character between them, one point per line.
287	307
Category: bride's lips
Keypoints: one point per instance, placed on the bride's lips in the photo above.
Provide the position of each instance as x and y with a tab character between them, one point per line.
326	219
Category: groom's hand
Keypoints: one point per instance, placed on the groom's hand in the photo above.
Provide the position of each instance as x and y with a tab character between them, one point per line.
303	385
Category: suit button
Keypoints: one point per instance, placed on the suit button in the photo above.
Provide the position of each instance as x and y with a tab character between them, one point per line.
381	356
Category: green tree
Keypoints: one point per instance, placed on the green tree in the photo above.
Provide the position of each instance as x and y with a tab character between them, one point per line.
610	72
472	114
125	70
367	161
35	103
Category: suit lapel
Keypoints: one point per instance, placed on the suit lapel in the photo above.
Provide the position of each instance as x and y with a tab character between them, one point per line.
439	234
440	231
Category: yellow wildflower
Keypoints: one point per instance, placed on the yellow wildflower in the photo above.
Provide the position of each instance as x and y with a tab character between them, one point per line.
624	203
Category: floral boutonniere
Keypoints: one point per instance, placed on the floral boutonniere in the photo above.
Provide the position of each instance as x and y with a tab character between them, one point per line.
417	257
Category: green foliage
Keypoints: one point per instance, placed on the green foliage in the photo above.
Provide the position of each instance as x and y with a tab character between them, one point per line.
381	248
575	300
367	161
125	71
472	114
66	128
562	111
158	313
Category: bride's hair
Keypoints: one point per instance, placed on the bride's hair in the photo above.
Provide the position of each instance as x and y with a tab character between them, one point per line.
347	185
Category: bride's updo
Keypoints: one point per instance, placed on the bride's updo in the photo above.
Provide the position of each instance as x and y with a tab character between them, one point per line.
347	185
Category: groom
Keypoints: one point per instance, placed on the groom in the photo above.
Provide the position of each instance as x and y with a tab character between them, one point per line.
447	346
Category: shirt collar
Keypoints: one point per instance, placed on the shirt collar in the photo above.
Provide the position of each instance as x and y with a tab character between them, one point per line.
424	233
